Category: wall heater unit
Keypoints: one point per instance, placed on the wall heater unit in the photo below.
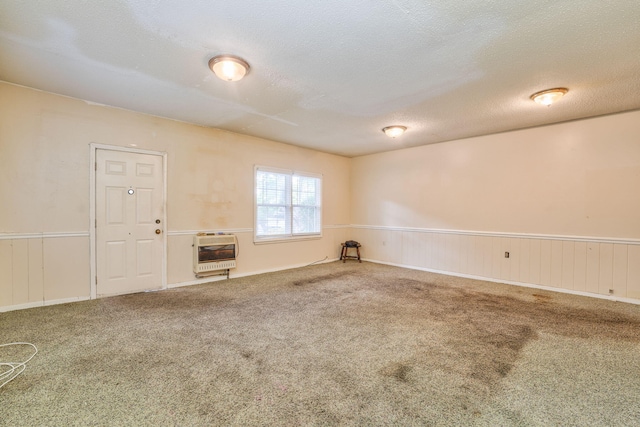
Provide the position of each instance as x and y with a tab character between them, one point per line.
213	252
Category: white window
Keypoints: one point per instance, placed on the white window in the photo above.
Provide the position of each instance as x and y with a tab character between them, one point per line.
288	204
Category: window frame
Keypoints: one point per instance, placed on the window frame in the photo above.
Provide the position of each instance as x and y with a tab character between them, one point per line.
291	236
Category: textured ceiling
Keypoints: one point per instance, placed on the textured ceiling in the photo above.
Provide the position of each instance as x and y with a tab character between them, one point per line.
329	75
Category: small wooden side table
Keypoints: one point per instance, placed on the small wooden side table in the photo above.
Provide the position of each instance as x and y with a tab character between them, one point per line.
345	252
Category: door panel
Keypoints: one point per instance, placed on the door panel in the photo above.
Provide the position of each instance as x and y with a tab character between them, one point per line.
129	202
144	257
116	255
115	205
144	206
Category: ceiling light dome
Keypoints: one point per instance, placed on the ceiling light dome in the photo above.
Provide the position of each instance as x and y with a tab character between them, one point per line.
549	96
228	67
393	131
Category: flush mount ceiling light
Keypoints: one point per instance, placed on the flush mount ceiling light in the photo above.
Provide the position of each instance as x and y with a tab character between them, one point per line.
549	96
228	67
393	131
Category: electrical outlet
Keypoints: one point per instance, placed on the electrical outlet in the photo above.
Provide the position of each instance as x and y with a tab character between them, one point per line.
506	254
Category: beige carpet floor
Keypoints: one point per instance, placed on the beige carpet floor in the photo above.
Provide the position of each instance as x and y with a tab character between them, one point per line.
332	344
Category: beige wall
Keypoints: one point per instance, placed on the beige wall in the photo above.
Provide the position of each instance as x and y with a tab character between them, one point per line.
579	178
44	189
564	200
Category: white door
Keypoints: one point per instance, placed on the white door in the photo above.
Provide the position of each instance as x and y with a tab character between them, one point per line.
129	229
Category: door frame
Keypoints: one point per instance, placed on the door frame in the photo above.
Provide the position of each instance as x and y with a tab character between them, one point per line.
93	147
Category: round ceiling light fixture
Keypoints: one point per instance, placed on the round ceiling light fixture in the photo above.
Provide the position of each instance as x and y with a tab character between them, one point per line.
549	96
228	67
393	131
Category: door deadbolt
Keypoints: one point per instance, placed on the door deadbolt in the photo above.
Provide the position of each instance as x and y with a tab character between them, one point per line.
158	231
157	221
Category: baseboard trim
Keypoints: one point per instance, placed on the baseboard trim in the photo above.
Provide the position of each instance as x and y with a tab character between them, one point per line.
42	303
509	282
252	273
198	281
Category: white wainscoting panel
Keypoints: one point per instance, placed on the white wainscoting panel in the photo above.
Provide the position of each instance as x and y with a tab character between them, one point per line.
38	269
633	272
608	267
580	266
6	273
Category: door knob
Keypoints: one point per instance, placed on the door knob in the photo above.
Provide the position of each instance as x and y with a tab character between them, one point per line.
158	231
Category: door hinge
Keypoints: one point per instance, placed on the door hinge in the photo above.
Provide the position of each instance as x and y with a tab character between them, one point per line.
96	224
96	165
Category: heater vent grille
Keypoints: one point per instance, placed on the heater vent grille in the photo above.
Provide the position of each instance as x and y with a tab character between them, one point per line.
214	252
215	265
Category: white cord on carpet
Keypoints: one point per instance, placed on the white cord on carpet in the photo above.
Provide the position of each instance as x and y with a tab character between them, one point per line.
315	262
14	368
